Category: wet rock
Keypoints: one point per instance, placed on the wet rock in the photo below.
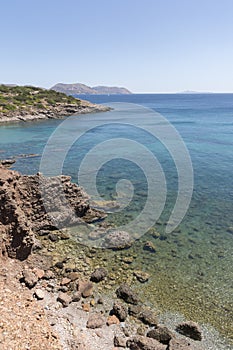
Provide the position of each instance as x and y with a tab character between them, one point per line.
145	343
179	344
53	237
85	288
64	299
230	230
120	341
161	333
39	294
117	240
190	329
120	311
148	317
112	320
29	278
150	247
134	310
141	276
127	294
99	274
95	320
59	265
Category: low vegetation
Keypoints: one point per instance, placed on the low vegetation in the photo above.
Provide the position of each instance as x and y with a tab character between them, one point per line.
25	98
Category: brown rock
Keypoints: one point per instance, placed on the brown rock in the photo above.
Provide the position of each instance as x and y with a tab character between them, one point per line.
85	288
39	273
64	299
65	281
120	341
30	278
190	329
99	274
95	320
127	294
86	307
141	276
161	333
73	276
179	344
120	311
145	343
112	320
76	296
148	317
150	247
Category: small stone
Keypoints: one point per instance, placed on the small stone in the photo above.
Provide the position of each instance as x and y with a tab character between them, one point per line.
86	288
59	265
161	333
30	278
141	276
112	320
127	294
65	281
120	311
95	320
39	294
39	273
190	329
117	240
64	236
49	275
120	341
76	297
86	307
148	317
99	274
64	299
144	343
73	276
92	302
149	246
134	310
179	344
53	237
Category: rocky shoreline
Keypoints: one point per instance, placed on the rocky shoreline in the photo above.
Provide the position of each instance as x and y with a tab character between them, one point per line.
58	112
81	306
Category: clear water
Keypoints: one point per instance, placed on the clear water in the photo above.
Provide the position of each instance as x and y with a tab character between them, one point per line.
191	271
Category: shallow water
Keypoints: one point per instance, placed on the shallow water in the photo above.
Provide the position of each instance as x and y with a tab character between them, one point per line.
191	270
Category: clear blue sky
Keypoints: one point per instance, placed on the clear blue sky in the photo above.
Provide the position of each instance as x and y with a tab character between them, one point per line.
145	45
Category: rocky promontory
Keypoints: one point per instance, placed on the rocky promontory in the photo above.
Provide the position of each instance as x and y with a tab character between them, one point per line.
24	103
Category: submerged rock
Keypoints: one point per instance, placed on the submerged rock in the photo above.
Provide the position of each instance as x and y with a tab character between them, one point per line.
117	240
141	276
190	329
99	274
127	294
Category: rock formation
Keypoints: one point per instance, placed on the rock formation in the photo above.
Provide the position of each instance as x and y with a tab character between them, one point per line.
29	204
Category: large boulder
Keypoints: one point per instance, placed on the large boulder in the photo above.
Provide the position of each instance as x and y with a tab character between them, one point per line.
127	294
190	329
117	240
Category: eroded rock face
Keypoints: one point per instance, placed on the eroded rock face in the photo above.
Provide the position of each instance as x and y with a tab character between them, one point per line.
29	204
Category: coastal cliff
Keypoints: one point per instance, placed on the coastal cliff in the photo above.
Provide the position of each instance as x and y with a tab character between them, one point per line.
24	103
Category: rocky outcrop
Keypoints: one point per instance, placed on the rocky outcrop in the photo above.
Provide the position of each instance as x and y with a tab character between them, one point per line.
30	204
82	89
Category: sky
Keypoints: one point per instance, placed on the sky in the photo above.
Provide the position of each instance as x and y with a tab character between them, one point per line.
147	46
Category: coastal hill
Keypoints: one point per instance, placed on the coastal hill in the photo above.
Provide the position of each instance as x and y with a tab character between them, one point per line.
21	103
82	89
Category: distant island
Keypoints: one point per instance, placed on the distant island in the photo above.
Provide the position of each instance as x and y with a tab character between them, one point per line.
22	103
82	89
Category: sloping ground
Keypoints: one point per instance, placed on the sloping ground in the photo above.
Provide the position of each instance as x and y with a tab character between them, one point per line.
23	323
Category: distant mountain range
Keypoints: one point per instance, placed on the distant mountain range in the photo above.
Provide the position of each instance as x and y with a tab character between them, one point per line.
82	89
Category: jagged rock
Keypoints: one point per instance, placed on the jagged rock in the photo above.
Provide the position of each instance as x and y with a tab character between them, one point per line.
161	333
117	240
120	311
127	294
99	274
95	320
145	343
135	310
112	320
190	329
31	204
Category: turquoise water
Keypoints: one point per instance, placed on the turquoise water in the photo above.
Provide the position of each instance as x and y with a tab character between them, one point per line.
191	271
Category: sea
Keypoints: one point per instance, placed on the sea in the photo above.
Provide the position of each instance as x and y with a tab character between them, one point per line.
167	160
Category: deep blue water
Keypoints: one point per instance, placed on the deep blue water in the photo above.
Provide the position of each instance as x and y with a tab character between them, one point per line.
202	244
